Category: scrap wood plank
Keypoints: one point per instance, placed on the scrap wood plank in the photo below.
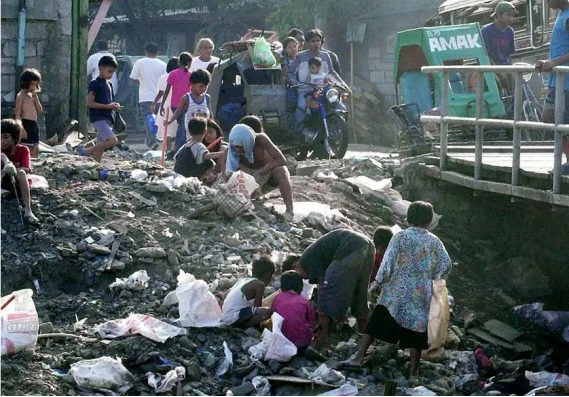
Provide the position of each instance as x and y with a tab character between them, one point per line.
144	200
297	380
114	249
488	337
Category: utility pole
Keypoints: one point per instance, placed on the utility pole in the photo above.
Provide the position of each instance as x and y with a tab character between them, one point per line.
79	36
21	49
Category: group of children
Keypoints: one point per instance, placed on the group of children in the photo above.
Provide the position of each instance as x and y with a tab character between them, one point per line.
243	306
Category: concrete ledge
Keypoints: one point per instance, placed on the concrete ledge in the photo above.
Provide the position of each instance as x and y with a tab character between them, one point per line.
496	187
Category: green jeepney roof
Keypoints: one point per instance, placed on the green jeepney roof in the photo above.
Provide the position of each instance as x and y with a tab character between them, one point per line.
434	45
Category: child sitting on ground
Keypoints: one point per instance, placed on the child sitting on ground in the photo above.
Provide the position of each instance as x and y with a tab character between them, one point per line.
16	166
101	106
193	159
242	305
297	311
28	107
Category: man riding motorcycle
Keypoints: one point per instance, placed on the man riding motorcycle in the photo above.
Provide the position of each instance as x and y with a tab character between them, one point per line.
299	72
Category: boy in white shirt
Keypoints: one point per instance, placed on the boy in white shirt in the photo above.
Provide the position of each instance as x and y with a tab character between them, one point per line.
316	76
147	71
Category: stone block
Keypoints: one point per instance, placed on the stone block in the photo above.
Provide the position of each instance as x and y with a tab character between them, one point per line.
9	29
377	77
30	49
374	52
41	46
33	62
9	48
8	64
8	82
36	30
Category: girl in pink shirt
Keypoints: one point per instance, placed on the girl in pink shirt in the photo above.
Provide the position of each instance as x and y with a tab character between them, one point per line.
297	311
179	83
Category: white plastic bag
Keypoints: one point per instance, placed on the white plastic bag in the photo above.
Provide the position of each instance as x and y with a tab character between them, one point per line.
165	384
19	322
261	385
280	348
146	326
227	361
137	281
103	374
419	391
244	181
37	182
327	375
345	390
544	378
197	305
139	175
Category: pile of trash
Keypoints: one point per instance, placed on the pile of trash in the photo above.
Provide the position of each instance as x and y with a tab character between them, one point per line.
119	291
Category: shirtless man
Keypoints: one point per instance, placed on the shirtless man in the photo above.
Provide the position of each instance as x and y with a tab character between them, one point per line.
253	152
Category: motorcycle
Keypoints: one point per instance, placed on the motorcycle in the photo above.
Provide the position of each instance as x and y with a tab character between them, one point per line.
325	129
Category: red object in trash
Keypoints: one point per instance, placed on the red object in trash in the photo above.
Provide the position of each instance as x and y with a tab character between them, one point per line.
482	359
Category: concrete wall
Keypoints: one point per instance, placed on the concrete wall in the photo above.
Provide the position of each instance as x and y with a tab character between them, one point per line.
375	56
48	45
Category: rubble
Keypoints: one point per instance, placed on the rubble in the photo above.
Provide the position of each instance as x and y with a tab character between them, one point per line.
102	229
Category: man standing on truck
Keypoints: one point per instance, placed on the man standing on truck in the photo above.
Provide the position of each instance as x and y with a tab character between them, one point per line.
558	55
498	39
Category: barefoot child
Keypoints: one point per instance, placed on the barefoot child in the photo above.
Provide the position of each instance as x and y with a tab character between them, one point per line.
16	165
101	107
28	107
193	159
194	104
297	311
242	305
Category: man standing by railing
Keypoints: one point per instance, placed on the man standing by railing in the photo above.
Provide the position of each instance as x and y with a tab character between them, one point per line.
558	55
499	40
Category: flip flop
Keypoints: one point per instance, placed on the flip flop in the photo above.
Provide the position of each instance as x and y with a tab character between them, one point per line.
81	151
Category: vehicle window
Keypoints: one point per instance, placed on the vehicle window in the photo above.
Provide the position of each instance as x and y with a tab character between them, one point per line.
550	16
463	83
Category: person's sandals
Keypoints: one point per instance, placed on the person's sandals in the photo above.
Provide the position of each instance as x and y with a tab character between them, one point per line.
81	151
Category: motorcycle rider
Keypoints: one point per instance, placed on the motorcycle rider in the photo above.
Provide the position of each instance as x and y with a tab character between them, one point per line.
299	71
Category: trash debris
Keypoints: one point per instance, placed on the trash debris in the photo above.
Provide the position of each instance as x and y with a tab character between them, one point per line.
227	362
544	378
103	374
137	281
37	182
262	386
144	325
20	322
327	375
345	390
139	175
165	384
419	391
553	321
274	345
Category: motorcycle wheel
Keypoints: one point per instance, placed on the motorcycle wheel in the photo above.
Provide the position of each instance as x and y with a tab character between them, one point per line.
337	145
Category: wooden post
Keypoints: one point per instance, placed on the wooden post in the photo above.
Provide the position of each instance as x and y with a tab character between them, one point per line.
82	38
352	116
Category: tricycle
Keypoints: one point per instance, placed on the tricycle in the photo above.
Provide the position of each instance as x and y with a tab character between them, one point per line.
239	88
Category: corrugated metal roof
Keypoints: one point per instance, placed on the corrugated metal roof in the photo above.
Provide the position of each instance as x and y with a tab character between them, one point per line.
451	5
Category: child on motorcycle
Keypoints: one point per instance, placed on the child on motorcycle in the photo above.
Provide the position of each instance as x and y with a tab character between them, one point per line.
316	76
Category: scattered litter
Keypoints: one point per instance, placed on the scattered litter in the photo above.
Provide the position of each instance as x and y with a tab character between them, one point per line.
227	362
327	375
544	378
103	374
37	182
19	322
262	386
165	384
144	325
137	281
345	390
274	345
419	391
139	175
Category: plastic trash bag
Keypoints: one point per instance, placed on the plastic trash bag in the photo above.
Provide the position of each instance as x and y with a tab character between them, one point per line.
165	384
554	321
327	375
139	175
37	182
280	348
261	385
144	325
19	322
244	181
137	281
263	55
151	121
103	374
544	378
345	390
274	345
419	391
439	315
198	307
227	361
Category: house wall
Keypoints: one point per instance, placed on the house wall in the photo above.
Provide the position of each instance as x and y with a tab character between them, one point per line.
48	45
374	57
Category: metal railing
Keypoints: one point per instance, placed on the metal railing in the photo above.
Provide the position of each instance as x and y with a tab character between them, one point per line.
479	122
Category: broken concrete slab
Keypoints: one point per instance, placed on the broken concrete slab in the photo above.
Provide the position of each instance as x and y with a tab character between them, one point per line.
501	330
488	337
